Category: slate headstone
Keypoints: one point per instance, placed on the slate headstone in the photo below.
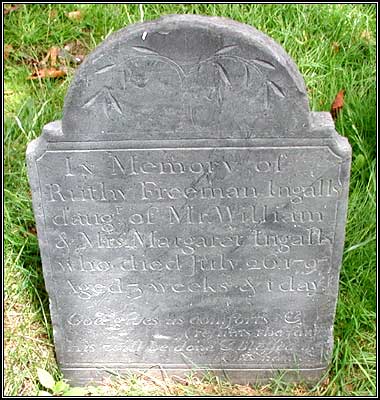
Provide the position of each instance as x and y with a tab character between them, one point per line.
190	208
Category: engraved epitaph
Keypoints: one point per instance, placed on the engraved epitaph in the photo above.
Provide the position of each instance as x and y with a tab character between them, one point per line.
190	208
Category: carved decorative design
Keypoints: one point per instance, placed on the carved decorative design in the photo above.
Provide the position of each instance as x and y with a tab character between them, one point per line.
203	88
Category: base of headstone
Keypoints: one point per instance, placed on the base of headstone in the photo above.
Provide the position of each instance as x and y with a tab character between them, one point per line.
90	376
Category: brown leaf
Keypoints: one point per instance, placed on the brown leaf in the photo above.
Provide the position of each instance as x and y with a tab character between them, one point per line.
73	52
32	230
10	7
337	104
53	14
75	15
350	388
52	54
335	47
48	73
66	57
7	50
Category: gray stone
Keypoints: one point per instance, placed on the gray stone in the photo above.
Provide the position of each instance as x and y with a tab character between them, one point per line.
190	208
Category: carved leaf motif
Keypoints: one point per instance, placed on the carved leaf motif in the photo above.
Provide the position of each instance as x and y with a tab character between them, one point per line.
226	49
276	89
264	64
105	69
105	110
223	74
115	103
247	75
108	98
145	50
266	97
91	101
220	97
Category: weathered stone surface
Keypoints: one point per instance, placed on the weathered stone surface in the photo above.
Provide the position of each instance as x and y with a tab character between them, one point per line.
190	208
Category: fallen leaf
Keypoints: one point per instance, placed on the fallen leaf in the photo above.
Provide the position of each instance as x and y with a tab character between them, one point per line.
7	50
75	15
45	378
32	230
337	104
53	14
48	73
52	54
335	47
66	57
12	7
74	52
326	381
350	388
299	392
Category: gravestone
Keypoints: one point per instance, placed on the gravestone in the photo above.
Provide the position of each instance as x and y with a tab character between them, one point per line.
190	208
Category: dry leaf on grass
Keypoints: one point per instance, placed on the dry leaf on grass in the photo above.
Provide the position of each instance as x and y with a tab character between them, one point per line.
66	57
337	104
52	55
350	388
75	15
335	47
7	50
53	14
10	7
74	52
55	64
76	47
44	73
32	230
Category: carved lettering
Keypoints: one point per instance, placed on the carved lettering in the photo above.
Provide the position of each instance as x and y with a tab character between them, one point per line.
134	166
171	227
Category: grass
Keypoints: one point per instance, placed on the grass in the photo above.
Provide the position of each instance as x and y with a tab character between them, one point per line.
334	47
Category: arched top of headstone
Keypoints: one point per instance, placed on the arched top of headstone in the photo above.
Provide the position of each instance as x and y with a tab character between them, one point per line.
186	77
